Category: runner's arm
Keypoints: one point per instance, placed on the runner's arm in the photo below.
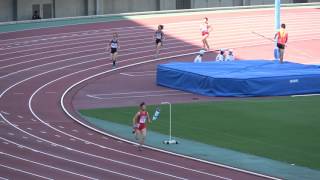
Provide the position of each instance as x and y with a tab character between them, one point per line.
149	120
134	120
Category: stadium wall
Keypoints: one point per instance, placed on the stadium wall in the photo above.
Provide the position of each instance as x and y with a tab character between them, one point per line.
11	10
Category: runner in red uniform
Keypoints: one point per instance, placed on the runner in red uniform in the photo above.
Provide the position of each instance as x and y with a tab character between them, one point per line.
205	28
282	38
140	121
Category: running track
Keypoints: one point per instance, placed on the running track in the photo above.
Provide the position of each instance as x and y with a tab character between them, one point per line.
39	141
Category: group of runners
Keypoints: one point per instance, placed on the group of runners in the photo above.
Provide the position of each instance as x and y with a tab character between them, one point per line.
281	37
115	45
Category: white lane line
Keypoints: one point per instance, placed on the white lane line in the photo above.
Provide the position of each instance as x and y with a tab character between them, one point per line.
61	127
50	92
43	132
75	130
29	173
5	142
104	137
39	141
131	75
34	120
76	162
305	95
3	178
18	93
134	92
71	139
11	134
20	117
58	136
4	112
90	134
25	137
146	95
29	129
45	165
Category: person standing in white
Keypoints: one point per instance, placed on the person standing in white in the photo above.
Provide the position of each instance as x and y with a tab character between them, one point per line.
220	56
230	56
198	58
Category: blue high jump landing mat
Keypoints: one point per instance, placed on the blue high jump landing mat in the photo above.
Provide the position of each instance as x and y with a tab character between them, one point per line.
240	78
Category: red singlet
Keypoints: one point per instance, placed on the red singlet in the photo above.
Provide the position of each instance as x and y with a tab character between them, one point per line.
141	120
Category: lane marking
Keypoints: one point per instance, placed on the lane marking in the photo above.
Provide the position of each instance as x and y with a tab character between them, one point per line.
5	142
131	75
18	93
3	178
29	129
6	113
146	95
50	92
20	117
25	137
305	95
29	173
73	161
43	132
39	141
61	127
134	92
75	130
58	136
71	139
90	134
34	120
11	134
45	165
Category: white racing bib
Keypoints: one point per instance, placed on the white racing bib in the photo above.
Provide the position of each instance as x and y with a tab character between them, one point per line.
143	119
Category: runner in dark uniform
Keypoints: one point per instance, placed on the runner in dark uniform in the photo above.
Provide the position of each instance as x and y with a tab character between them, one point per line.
114	46
159	37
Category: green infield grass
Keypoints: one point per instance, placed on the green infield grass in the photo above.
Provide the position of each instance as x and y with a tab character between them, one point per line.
282	128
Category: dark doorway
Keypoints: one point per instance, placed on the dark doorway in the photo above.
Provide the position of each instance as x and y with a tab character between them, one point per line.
183	4
47	11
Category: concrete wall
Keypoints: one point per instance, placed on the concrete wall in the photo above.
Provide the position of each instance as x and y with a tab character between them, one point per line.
217	3
167	4
70	8
6	10
91	7
122	6
24	8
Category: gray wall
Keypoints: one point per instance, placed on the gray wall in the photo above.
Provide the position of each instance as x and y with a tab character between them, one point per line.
70	8
24	8
122	6
6	10
167	4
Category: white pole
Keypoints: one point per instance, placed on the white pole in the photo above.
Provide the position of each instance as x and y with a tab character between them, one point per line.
170	122
169	118
170	141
